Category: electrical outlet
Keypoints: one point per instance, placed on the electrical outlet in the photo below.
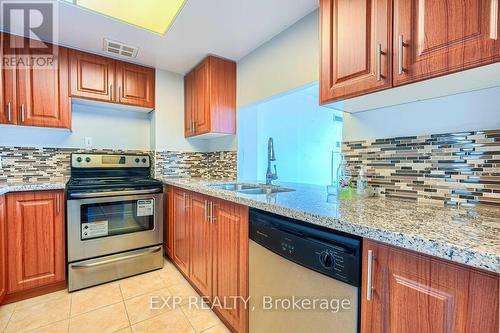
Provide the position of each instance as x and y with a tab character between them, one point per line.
88	142
221	155
1	165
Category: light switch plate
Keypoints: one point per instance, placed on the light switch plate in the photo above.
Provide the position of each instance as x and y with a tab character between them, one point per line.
88	142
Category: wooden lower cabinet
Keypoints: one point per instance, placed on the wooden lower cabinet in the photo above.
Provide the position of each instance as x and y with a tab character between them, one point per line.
180	220
231	263
217	259
201	238
417	293
168	229
3	257
35	243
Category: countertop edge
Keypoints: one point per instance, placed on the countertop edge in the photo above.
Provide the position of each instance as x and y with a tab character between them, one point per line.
8	188
481	260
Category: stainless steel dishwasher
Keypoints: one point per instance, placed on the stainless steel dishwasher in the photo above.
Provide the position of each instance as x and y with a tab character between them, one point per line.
303	278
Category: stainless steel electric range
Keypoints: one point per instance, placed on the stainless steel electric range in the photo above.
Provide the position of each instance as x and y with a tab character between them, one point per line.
114	219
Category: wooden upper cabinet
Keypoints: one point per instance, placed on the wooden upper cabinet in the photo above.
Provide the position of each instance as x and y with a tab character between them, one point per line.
201	116
105	79
210	98
8	100
200	244
440	37
42	94
189	129
356	48
3	243
231	262
35	250
180	218
135	85
417	293
91	76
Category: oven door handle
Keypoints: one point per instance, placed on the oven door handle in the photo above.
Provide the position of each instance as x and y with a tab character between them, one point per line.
109	261
81	195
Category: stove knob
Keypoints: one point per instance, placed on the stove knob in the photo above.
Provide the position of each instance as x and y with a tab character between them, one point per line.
143	160
136	160
79	159
326	260
87	159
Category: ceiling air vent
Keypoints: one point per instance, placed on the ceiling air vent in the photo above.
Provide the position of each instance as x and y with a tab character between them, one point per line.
118	48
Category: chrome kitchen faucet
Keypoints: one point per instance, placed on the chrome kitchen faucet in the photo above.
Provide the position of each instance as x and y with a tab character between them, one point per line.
270	176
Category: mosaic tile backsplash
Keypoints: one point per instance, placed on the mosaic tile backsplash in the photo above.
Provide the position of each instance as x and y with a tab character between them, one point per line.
24	164
212	165
451	168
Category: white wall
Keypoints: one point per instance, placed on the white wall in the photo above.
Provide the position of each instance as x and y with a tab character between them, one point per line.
462	112
288	61
115	129
168	119
304	134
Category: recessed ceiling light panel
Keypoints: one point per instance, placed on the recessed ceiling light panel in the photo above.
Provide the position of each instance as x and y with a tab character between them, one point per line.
153	15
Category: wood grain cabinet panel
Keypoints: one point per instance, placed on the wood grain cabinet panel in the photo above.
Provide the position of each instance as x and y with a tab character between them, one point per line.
356	48
3	244
201	244
210	98
43	93
180	218
8	100
168	228
92	76
417	293
433	38
35	247
135	84
231	262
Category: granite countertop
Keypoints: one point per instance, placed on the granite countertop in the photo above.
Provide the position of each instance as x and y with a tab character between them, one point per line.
469	236
38	185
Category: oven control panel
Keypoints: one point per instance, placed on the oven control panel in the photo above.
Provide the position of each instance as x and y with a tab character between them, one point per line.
109	161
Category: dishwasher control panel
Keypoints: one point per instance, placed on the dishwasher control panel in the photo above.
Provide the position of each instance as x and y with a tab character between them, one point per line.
327	252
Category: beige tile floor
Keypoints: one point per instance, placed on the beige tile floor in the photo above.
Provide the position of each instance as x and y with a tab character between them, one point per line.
121	306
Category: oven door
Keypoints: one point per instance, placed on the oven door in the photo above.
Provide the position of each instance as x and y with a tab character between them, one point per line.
106	225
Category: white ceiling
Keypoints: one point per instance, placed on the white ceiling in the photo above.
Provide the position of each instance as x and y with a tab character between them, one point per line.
228	28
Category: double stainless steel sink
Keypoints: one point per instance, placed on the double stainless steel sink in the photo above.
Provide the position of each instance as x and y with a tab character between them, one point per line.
251	188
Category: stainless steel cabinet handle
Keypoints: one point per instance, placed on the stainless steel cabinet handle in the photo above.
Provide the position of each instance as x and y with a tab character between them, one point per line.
212	217
22	113
369	285
58	203
206	211
379	62
111	91
109	261
9	113
400	55
119	93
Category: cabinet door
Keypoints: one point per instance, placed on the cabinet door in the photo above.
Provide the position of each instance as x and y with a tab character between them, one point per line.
231	262
201	98
8	100
43	93
3	243
417	293
356	51
35	227
189	102
91	76
433	38
180	216
168	229
135	85
201	244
